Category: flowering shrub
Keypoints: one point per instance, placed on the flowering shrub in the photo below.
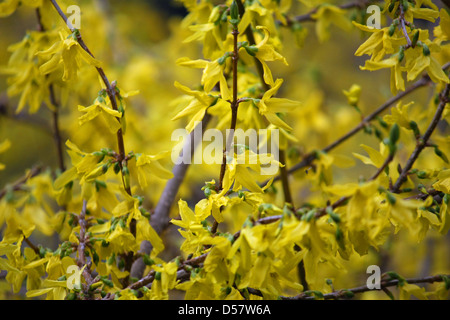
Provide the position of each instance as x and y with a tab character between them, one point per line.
362	174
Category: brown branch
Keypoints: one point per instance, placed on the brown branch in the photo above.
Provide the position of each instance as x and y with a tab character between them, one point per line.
31	245
403	24
348	293
159	219
423	141
110	90
281	154
82	261
55	111
307	17
16	186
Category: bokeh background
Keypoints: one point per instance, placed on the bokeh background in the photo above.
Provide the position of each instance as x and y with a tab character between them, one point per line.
139	42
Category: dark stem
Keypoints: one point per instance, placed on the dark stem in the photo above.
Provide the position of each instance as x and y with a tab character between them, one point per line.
19	183
423	141
55	111
109	88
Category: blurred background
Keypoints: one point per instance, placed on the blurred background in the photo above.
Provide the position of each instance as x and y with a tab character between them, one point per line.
139	42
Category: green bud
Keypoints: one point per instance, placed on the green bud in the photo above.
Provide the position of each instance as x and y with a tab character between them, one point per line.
391	30
108	282
391	6
251	50
415	38
95	257
147	260
382	122
422	175
349	294
440	154
222	59
336	218
390	197
401	54
309	215
116	168
234	13
71	296
425	50
126	177
415	128
158	275
394	134
446	280
339	235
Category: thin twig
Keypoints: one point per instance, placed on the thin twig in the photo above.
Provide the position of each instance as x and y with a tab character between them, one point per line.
82	261
16	186
344	293
55	110
122	159
307	17
423	141
110	90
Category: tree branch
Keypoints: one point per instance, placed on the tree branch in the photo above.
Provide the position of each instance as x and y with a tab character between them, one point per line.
16	186
159	219
55	111
423	141
110	90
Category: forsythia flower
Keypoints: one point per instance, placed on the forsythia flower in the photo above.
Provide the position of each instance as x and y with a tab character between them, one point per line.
353	94
197	105
266	52
67	52
327	15
100	108
212	74
270	106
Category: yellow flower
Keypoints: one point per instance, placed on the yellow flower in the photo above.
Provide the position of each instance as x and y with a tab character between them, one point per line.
198	102
8	7
68	52
417	62
148	165
212	74
353	94
397	82
400	115
269	106
407	290
326	15
100	108
266	52
442	31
